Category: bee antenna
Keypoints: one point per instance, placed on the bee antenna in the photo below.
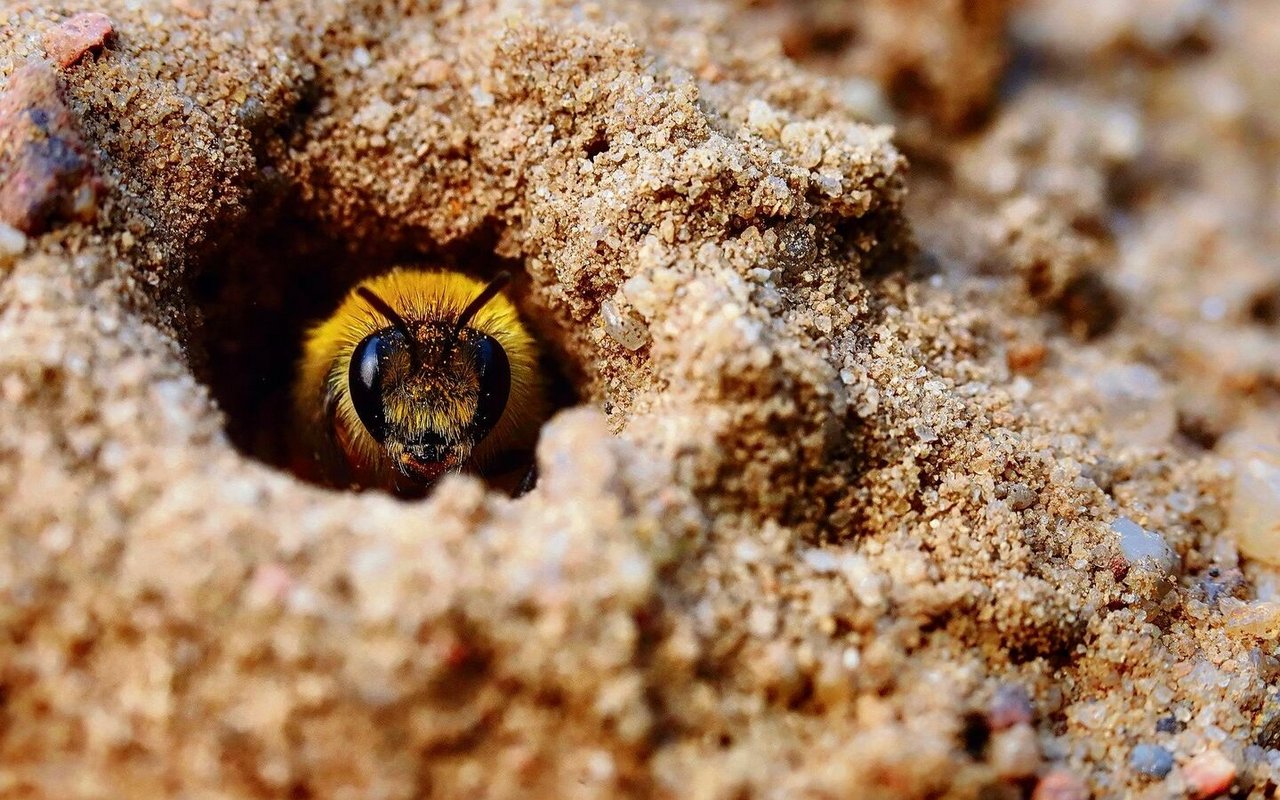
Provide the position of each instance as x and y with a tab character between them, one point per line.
481	300
384	308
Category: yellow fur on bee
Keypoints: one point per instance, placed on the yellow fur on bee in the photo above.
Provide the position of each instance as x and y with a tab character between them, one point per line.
418	296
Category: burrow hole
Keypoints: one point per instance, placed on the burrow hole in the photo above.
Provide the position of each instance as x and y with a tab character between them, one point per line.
264	286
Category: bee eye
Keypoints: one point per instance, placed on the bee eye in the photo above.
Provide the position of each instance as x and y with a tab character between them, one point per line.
495	385
364	379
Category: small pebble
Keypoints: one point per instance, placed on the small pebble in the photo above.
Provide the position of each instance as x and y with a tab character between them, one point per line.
47	171
1009	706
1020	496
866	100
622	328
270	584
1217	583
1255	503
1141	546
1026	358
1137	404
1059	784
67	43
12	244
1260	618
1169	724
1152	760
1209	774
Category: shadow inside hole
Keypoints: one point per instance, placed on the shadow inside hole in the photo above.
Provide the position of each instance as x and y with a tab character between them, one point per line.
261	290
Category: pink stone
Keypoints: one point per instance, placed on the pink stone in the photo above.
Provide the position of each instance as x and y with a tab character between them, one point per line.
1060	784
45	170
68	42
1209	774
270	583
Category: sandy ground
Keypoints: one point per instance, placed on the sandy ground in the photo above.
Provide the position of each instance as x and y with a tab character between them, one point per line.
919	361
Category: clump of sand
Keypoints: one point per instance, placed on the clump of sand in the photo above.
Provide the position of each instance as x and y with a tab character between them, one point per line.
847	510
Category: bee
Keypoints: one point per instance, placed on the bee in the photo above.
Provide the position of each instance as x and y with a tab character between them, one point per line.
418	374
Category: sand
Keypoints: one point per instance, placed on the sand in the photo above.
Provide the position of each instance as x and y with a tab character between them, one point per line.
911	356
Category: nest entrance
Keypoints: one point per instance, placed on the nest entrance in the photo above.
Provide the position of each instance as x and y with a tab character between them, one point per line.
265	285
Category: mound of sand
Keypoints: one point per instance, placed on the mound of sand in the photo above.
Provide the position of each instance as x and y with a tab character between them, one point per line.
864	494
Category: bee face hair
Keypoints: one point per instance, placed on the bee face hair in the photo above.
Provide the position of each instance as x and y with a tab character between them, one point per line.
424	373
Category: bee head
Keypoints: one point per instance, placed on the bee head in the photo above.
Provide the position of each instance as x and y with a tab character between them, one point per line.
429	393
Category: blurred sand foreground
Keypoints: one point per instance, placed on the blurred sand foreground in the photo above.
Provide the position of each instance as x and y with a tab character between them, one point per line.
948	481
